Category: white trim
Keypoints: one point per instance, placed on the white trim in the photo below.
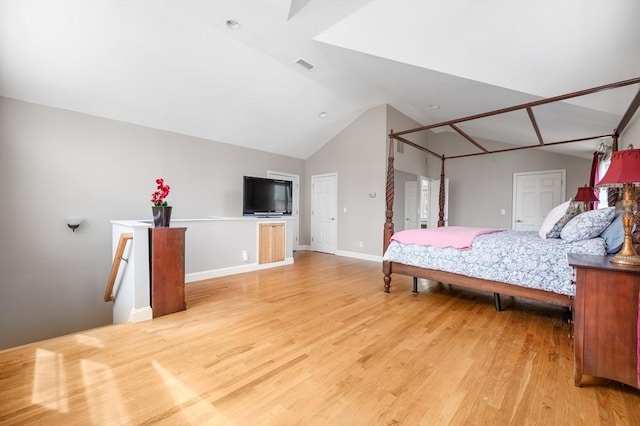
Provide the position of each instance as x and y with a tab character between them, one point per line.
141	314
304	248
356	255
232	270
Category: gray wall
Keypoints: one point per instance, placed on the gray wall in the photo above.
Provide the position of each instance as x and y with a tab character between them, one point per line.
479	187
56	163
631	135
411	160
357	154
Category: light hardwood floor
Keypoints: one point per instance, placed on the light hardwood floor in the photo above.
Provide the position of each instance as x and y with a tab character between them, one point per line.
315	343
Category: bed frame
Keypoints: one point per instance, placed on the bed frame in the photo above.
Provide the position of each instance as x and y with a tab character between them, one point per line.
496	287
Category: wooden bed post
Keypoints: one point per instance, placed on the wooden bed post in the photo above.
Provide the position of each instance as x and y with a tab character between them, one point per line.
388	223
441	195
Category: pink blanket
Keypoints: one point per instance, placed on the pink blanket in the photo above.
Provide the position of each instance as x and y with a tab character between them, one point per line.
460	237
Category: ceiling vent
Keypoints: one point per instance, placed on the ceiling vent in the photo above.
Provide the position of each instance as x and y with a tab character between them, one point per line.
304	64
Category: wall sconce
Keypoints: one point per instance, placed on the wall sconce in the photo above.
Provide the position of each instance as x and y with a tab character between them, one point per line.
73	222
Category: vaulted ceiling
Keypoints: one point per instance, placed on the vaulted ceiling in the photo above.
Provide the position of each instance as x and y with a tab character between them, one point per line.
178	66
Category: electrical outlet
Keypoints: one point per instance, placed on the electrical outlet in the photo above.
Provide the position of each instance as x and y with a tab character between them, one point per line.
245	256
361	244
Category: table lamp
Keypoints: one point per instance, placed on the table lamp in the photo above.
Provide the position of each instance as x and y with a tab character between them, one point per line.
624	172
586	195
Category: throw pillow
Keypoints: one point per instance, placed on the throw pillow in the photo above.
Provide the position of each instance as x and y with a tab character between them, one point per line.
587	225
573	211
552	217
614	234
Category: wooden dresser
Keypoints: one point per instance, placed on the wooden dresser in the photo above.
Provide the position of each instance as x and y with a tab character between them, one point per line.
167	270
605	319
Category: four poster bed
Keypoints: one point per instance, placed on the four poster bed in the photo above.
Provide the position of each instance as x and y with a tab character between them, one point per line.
547	279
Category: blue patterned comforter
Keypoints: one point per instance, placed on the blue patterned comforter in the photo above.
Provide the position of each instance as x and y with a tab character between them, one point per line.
515	257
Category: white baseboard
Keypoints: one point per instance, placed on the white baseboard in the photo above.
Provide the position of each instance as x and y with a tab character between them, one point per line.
141	314
357	255
304	248
232	270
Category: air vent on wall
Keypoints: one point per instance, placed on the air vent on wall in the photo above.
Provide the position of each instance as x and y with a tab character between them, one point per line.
304	64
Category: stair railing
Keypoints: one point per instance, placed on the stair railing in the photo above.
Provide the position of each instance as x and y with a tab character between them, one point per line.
122	244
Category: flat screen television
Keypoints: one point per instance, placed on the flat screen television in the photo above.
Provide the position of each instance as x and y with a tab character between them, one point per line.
266	197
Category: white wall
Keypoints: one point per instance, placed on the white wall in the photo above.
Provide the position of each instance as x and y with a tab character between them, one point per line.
56	163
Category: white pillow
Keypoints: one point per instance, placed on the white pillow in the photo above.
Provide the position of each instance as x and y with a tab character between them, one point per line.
588	225
553	216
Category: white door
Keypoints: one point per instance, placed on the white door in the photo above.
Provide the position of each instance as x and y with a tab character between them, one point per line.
295	214
411	205
534	195
324	202
434	202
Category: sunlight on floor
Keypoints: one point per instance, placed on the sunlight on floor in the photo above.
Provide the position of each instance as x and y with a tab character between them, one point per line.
196	410
105	402
49	384
83	339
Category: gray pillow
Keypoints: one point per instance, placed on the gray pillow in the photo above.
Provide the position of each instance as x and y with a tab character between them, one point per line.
614	234
587	225
572	211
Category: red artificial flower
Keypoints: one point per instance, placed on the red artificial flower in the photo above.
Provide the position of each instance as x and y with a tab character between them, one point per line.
158	197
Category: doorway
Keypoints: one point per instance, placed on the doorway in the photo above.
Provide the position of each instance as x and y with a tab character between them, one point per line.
434	203
324	204
534	195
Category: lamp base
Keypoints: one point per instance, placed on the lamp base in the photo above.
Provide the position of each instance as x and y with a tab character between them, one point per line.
625	259
627	254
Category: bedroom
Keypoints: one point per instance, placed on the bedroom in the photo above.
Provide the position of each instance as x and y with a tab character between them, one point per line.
52	279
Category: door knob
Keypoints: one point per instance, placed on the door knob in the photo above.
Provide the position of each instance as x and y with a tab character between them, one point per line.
518	221
332	218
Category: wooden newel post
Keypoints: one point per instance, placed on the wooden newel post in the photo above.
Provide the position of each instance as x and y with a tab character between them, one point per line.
441	195
388	223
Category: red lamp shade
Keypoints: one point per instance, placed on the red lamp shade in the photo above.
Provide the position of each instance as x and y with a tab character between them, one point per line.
624	168
625	171
585	194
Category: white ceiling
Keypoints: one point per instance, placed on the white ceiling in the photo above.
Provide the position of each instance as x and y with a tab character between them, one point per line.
175	65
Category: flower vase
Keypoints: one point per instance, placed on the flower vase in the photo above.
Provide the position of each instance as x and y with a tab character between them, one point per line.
161	216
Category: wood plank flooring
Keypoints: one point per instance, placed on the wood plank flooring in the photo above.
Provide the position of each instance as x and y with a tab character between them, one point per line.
315	343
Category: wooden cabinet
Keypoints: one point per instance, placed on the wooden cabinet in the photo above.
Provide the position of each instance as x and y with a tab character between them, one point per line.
166	254
605	319
271	242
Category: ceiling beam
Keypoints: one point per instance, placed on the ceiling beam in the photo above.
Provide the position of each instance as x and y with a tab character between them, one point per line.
626	118
525	105
534	123
415	145
530	146
467	137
